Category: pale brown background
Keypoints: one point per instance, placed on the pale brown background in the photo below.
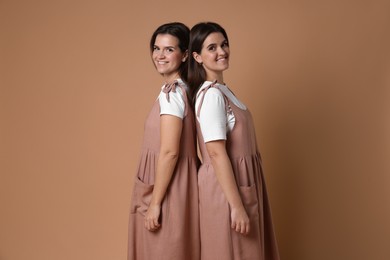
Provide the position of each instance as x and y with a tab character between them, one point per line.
77	83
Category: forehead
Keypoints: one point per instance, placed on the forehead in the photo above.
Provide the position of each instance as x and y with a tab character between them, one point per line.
166	40
214	38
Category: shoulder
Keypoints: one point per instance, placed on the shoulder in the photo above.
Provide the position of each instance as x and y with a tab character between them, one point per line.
213	91
180	89
168	93
177	93
209	91
172	100
213	96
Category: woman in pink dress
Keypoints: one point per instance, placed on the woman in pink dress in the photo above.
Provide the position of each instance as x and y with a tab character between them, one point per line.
164	221
235	217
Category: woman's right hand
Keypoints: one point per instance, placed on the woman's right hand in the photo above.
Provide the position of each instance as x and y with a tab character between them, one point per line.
151	217
240	220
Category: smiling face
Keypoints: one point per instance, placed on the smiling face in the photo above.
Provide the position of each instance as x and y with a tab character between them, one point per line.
167	56
214	55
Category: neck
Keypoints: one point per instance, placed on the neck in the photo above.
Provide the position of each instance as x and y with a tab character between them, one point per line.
217	76
219	80
171	77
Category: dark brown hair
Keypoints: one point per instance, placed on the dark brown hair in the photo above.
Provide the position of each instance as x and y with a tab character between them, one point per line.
182	33
198	34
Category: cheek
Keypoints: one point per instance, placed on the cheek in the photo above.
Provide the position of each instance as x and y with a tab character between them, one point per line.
176	58
210	56
207	59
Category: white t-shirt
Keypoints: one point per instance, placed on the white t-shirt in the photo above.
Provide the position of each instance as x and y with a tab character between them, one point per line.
215	122
176	104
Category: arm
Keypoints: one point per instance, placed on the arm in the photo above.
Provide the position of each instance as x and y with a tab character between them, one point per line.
170	128
224	173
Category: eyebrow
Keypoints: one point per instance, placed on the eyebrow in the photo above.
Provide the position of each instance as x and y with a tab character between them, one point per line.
165	46
211	44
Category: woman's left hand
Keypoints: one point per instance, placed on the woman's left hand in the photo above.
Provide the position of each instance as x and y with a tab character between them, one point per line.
151	217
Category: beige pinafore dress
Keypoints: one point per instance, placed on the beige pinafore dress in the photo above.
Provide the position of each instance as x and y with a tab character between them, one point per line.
218	239
178	236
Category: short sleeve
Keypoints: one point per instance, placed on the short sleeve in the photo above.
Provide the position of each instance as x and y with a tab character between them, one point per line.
175	106
212	116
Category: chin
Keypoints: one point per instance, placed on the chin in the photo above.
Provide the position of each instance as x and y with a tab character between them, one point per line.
224	67
161	71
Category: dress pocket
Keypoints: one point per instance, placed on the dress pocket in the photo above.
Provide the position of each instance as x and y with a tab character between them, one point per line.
142	195
249	199
248	246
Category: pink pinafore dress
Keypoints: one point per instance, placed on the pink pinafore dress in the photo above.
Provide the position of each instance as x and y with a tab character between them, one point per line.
218	239
178	236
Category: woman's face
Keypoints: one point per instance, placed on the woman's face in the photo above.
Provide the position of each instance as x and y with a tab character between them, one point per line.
214	54
167	56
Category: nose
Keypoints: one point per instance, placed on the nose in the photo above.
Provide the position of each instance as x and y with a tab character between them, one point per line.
221	51
160	54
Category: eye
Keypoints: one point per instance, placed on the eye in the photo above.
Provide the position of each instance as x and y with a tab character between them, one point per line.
225	44
155	48
170	50
212	48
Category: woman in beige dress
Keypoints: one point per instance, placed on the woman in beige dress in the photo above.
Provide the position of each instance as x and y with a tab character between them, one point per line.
235	217
164	220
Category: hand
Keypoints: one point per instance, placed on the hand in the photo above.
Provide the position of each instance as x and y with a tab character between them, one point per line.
240	221
151	217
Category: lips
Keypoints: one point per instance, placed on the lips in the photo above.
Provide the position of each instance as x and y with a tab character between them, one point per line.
222	59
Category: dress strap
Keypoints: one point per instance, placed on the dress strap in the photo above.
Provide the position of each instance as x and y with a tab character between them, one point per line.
172	87
204	90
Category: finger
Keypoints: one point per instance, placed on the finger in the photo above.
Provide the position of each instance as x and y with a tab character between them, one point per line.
243	228
233	225
151	225
248	228
238	227
155	222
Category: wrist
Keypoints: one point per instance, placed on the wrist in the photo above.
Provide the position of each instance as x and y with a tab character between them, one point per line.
155	204
238	207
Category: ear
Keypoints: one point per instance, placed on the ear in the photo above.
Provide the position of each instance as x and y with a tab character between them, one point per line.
197	57
185	56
